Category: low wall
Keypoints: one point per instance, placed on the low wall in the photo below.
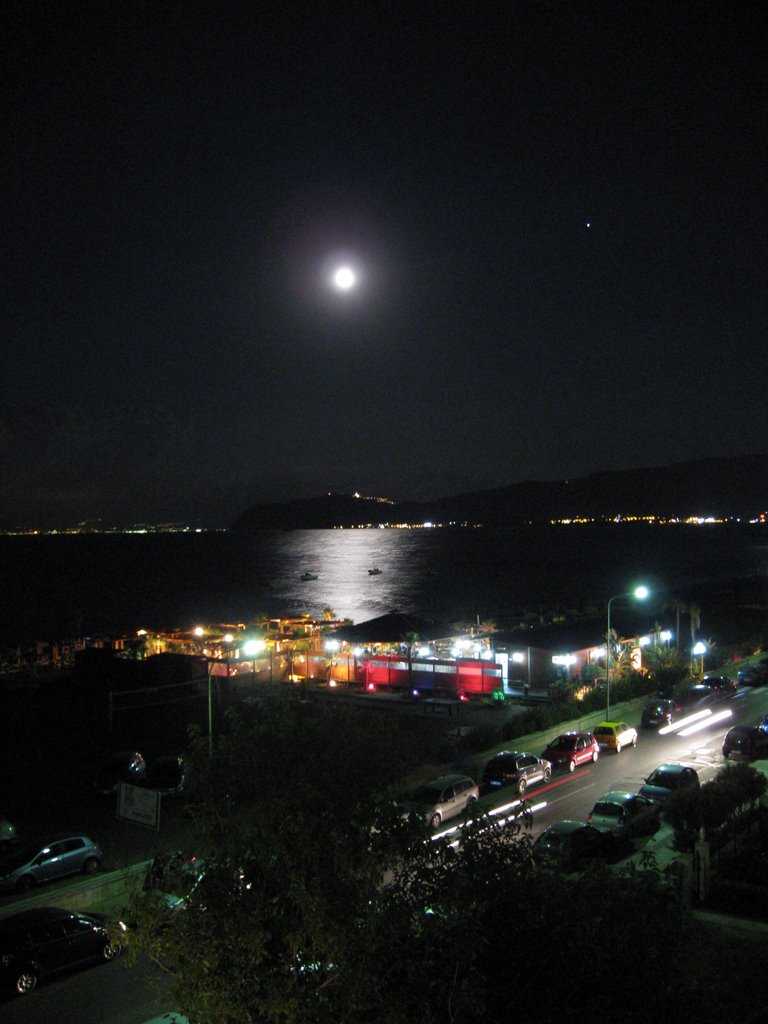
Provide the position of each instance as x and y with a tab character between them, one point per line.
104	893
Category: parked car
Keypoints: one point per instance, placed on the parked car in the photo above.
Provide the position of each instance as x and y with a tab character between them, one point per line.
753	675
570	749
124	766
164	774
658	713
26	864
723	685
625	815
442	799
615	736
515	768
571	846
667	779
745	743
7	830
169	1018
46	940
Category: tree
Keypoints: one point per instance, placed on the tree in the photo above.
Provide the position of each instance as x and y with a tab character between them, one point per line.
678	605
695	622
317	902
667	668
283	813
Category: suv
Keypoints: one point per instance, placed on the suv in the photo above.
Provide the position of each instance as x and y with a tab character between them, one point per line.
668	779
46	940
23	865
570	749
615	735
442	798
512	768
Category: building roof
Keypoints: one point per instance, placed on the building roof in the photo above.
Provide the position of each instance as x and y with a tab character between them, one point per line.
394	627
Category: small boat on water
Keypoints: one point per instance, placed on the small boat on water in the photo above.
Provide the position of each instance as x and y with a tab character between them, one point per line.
308	576
375	571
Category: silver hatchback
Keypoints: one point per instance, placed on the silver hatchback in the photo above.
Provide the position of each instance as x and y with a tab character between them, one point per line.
23	865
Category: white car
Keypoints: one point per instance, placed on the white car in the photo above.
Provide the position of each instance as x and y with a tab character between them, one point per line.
615	736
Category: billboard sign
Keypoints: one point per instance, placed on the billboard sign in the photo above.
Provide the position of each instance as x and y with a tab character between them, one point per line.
134	803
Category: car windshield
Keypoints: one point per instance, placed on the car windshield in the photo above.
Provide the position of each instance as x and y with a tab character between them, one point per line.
563	743
667	780
607	810
552	841
603	731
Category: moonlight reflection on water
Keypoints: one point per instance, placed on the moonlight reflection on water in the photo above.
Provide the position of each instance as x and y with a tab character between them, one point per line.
67	585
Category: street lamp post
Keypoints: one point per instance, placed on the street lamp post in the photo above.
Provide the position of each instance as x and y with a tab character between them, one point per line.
640	594
699	650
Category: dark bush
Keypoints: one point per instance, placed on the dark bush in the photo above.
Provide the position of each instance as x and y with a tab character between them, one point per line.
729	797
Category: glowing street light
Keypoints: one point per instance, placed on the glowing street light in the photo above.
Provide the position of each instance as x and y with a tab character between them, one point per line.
698	651
640	594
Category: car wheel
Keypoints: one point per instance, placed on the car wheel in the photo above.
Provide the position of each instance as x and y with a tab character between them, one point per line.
111	951
595	755
618	747
471	803
434	822
91	866
25	981
571	765
547	774
25	883
522	786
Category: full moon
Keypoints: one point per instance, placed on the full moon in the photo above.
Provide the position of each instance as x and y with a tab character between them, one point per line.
344	278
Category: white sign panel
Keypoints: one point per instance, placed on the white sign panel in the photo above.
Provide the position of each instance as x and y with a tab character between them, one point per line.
137	804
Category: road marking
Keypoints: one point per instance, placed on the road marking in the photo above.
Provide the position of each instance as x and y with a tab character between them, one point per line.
572	792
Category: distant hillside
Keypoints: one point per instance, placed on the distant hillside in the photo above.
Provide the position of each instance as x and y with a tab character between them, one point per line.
733	486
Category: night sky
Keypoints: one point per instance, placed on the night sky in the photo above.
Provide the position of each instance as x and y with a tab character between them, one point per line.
555	211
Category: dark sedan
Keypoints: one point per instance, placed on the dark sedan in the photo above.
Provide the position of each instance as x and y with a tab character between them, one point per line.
753	675
668	779
723	685
48	940
571	846
745	743
625	815
658	713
